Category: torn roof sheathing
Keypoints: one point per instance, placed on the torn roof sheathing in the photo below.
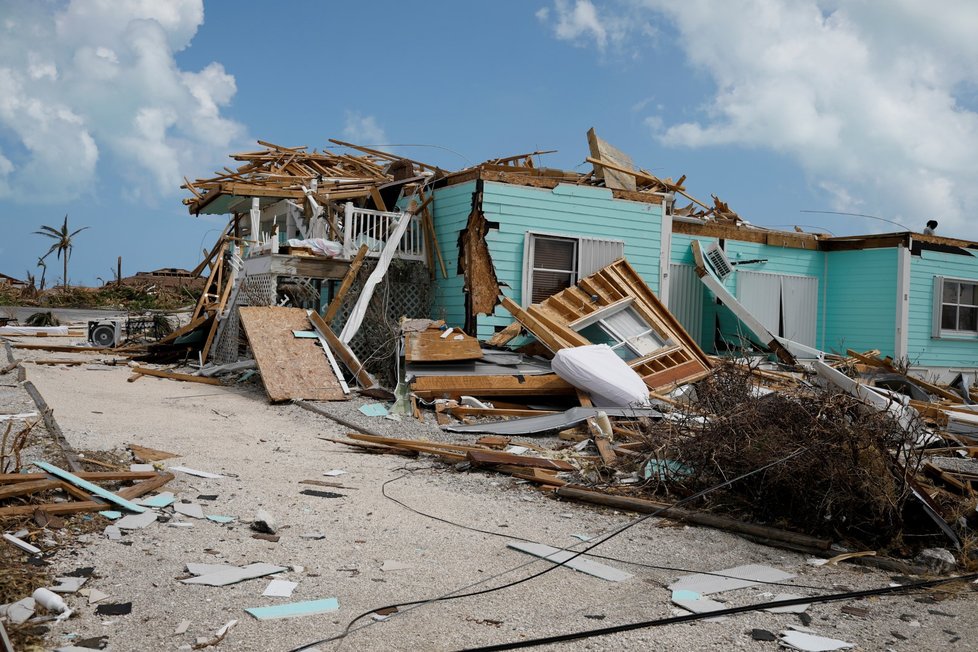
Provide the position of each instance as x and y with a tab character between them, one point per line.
560	321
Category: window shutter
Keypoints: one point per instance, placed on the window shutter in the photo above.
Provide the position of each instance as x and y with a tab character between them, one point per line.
936	316
594	254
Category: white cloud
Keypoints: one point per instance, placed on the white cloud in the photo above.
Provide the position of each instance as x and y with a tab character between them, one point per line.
871	102
580	23
94	82
364	130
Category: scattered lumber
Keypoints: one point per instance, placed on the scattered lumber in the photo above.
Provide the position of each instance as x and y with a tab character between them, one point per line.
172	375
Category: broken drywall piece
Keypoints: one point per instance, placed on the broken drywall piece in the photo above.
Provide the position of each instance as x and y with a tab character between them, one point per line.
295	609
701	606
199	474
94	595
811	643
19	612
234	575
729	579
334	472
141	468
111	514
793	609
193	510
391	565
217	518
90	487
112	533
280	589
20	543
204	569
564	557
163	499
68	584
181	627
135	521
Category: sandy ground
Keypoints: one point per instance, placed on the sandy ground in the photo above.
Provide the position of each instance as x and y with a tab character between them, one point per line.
263	451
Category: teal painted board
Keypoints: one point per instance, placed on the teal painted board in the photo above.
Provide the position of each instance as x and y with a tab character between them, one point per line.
861	300
294	609
922	348
451	207
90	487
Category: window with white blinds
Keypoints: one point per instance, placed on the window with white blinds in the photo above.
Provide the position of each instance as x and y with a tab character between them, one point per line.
552	263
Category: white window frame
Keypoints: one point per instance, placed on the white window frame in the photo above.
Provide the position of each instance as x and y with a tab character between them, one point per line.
601	318
937	329
580	245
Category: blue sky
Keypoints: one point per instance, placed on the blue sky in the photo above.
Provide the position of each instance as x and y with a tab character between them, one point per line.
774	105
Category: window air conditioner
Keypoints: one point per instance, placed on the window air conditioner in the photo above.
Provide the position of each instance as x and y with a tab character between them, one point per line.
105	332
719	262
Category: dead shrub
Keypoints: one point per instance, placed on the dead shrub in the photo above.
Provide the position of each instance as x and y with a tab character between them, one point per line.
844	484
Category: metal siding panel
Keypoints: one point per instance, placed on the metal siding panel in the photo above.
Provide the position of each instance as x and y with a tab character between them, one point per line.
760	294
596	253
686	299
799	296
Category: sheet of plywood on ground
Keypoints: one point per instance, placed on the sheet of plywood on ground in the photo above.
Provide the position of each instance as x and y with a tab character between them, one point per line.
290	367
429	346
428	387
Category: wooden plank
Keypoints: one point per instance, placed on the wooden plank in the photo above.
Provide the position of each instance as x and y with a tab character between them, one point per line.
428	387
505	335
93	476
429	346
23	488
378	200
606	152
172	375
150	454
291	368
342	351
492	458
127	493
348	279
60	348
532	324
183	330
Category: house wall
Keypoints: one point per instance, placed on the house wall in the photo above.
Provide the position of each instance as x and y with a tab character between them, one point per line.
780	260
567	210
861	300
450	211
923	349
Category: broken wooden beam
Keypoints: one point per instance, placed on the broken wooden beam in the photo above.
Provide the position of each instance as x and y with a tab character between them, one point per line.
172	375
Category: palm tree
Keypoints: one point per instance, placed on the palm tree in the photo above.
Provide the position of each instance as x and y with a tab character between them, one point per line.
44	269
63	242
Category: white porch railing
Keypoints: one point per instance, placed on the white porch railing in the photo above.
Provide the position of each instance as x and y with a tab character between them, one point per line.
362	226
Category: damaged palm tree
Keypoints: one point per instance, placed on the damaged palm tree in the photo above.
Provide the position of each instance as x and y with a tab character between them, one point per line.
849	481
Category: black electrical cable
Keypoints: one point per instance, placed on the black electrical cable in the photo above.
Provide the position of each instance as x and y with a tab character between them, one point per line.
555	565
504	535
604	631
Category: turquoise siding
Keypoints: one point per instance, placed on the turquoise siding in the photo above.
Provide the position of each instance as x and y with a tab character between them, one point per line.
566	210
451	208
923	349
861	300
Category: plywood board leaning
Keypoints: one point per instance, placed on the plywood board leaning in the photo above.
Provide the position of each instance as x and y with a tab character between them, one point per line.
291	368
429	346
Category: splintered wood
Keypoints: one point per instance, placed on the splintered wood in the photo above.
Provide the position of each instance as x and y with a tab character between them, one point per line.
481	283
291	367
430	346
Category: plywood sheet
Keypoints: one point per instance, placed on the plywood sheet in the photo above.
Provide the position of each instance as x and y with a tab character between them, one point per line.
428	346
612	178
291	368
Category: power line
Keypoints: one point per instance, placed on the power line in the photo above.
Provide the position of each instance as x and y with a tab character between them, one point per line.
872	217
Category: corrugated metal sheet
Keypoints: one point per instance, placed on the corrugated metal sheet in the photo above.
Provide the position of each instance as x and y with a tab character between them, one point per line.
760	294
594	253
799	298
686	299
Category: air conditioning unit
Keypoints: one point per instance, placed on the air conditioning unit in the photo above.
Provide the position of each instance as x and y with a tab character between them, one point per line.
718	261
105	332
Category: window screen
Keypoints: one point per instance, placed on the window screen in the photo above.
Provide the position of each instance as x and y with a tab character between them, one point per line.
554	266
